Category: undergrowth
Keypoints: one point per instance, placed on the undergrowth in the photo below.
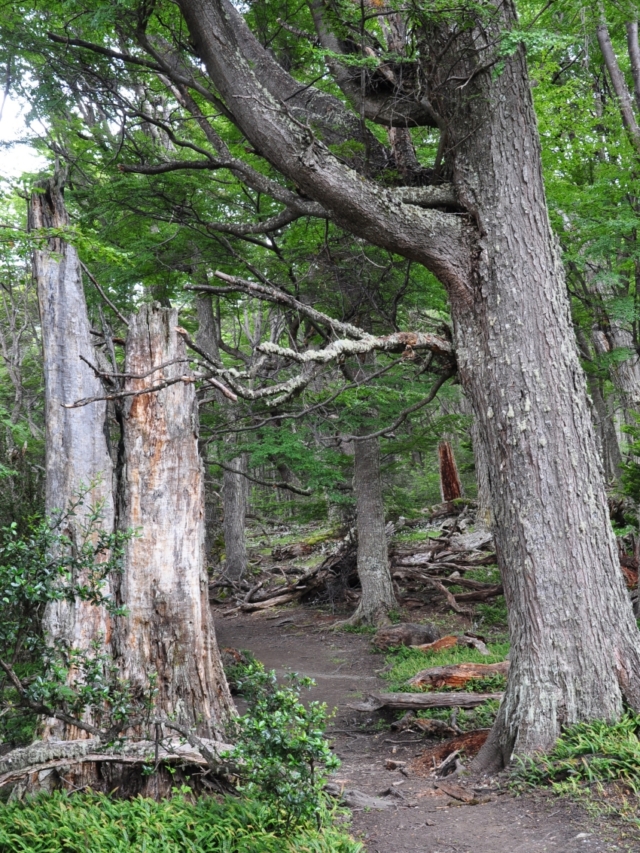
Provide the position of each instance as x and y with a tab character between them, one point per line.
586	754
406	662
94	823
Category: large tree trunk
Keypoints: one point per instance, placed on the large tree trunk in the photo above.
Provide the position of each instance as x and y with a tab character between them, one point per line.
168	628
575	646
378	597
77	452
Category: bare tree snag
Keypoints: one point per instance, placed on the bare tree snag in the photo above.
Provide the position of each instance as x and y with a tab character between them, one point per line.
450	485
77	452
168	627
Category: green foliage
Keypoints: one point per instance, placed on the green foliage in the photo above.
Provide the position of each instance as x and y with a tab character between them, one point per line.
280	746
481	717
91	823
47	565
406	662
588	753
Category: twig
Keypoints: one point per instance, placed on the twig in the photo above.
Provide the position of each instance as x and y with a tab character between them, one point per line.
104	295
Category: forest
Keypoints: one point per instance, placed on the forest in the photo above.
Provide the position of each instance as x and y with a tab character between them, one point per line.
320	362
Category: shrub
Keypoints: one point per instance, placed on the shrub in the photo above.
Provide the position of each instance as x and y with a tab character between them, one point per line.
280	745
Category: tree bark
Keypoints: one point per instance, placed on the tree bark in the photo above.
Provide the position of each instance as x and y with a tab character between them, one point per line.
378	597
77	450
235	486
575	644
235	494
450	485
168	628
518	364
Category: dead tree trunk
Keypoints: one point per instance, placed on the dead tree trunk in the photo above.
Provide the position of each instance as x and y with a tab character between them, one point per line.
450	485
168	628
378	597
235	486
77	452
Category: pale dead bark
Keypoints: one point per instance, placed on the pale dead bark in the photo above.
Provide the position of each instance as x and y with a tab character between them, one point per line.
77	453
168	628
625	104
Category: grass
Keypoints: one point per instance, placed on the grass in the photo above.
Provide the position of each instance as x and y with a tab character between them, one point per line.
94	823
407	662
588	753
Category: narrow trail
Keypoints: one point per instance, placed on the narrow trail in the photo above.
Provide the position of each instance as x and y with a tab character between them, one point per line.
420	819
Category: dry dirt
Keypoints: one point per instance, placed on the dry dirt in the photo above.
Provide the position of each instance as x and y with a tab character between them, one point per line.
422	819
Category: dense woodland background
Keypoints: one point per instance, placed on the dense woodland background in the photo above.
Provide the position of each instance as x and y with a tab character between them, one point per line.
324	365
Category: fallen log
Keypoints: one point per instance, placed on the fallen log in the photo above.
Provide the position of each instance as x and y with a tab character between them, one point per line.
443	643
456	675
46	755
421	701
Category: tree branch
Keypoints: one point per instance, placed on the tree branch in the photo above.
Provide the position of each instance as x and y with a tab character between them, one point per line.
278	484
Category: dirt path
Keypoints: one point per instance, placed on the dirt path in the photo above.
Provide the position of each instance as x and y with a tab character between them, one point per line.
421	818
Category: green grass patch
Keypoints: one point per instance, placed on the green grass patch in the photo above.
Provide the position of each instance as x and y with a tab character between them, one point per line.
407	662
586	754
93	823
482	717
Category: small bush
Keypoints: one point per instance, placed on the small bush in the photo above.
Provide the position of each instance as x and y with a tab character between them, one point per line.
280	746
93	823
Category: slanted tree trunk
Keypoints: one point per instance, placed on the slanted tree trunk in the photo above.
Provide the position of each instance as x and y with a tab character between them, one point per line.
378	597
235	486
168	627
77	452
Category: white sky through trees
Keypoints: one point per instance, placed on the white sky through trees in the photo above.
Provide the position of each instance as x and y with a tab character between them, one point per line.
17	154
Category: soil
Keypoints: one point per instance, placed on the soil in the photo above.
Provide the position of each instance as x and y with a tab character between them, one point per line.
419	818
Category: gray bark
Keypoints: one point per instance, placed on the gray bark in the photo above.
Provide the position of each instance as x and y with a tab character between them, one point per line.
378	597
625	103
575	644
235	487
77	452
168	627
235	494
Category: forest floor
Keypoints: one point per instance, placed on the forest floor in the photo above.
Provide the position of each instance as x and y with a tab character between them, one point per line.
420	817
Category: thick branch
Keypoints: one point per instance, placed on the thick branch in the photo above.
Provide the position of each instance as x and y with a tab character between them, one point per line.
441	241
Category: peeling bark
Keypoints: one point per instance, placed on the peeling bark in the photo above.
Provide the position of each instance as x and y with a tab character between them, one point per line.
168	627
77	452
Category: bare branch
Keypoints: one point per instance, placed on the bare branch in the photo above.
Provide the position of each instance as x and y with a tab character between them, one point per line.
278	484
406	412
104	295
